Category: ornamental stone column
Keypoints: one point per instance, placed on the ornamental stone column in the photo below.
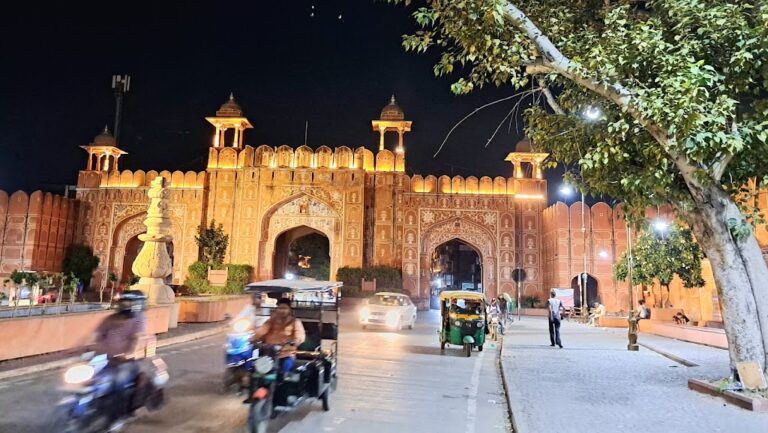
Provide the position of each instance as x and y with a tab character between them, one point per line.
153	263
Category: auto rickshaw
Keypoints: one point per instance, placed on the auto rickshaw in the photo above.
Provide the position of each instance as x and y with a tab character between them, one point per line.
463	320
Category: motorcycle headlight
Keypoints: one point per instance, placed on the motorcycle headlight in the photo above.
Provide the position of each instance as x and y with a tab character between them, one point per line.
480	324
457	323
78	374
263	365
364	313
241	325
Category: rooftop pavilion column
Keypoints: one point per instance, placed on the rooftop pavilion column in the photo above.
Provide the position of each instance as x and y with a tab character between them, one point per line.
217	137
382	130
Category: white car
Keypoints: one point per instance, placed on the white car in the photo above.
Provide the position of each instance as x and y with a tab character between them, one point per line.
390	310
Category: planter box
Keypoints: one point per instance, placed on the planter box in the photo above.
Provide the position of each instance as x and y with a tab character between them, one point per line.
613	322
542	312
36	335
755	404
210	309
708	336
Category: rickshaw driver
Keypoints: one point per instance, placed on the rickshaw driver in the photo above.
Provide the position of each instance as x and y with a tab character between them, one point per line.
283	328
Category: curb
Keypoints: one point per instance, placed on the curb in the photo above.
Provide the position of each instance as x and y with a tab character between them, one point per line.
53	365
518	426
755	404
675	358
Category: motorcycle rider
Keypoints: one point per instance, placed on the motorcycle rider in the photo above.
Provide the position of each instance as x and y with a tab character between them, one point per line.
117	336
282	329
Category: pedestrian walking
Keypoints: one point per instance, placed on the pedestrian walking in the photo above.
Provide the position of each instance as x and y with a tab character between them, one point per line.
555	308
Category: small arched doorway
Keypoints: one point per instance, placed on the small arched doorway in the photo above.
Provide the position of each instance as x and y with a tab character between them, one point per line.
455	265
132	248
302	251
591	290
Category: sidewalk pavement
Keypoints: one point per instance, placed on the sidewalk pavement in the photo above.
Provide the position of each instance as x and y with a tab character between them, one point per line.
34	364
594	384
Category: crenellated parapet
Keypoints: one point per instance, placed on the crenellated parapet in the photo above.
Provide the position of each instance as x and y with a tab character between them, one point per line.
140	179
520	188
305	157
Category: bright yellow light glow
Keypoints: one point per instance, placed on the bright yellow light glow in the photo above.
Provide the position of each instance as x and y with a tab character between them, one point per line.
530	196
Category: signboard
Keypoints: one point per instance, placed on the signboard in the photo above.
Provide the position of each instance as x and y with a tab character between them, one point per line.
217	278
565	296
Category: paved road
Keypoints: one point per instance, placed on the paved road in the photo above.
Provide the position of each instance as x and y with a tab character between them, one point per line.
388	382
595	385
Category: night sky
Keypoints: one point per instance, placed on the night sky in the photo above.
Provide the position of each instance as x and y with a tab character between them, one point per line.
335	69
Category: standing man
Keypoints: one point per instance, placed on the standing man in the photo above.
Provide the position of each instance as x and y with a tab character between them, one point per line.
555	306
643	312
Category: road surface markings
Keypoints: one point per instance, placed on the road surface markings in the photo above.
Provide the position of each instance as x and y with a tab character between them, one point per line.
472	400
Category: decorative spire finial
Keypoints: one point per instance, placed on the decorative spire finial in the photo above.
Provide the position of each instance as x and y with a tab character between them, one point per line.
106	130
392	100
231	96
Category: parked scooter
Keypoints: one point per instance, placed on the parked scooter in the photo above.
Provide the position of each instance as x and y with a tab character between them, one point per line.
239	355
99	395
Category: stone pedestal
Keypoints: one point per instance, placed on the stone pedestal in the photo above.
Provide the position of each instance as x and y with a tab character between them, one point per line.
153	264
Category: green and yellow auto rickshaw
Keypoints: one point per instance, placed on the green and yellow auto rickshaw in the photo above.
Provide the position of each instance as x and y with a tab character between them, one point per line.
463	320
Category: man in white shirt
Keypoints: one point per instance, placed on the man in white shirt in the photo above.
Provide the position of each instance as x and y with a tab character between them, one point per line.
555	307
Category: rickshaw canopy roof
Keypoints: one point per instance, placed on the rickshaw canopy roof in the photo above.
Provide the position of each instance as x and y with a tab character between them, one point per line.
286	286
461	294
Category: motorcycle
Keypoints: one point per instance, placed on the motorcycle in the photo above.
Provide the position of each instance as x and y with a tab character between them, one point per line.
99	396
239	355
312	378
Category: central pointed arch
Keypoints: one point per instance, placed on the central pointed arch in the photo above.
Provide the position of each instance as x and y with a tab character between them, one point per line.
300	210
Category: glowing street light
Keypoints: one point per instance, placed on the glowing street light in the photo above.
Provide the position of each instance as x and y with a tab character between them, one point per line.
592	113
603	254
566	190
661	226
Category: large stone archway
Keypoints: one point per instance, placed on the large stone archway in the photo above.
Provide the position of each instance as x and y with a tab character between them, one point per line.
296	211
475	235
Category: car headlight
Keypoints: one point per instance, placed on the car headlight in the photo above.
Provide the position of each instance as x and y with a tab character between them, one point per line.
364	313
241	325
392	318
263	365
78	374
480	323
457	323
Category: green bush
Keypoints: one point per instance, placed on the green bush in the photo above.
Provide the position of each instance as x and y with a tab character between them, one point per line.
237	277
80	261
387	277
530	301
351	292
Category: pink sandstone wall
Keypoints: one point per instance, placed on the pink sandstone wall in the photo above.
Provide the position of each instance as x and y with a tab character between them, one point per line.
34	231
37	335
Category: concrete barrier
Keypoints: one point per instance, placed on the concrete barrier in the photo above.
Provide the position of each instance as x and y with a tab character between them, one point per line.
709	336
210	309
36	335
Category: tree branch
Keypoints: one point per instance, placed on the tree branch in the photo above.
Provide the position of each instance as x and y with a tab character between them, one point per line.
550	98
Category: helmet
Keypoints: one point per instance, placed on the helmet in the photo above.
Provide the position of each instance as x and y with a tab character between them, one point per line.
131	302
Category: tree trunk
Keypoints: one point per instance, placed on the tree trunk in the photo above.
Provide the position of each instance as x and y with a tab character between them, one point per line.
741	275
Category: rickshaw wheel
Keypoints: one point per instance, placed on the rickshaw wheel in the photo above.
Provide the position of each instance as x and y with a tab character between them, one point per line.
442	345
468	349
480	348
